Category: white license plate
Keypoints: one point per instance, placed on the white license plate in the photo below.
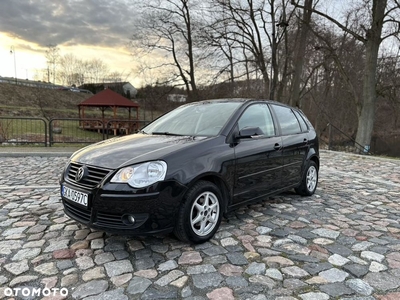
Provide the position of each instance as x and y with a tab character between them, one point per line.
76	196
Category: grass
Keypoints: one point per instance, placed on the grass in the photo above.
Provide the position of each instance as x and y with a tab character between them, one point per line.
70	132
22	129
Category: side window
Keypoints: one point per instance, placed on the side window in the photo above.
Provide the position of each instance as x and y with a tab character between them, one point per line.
258	115
303	124
287	120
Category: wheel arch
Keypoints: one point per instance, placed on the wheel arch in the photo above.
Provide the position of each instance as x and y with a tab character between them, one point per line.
220	183
315	159
313	156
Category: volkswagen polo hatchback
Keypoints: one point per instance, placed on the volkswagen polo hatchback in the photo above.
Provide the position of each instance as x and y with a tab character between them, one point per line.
185	170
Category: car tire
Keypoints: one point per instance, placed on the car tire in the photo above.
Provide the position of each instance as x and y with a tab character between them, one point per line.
309	181
200	214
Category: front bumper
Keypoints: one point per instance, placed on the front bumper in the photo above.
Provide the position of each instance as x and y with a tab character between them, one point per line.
154	209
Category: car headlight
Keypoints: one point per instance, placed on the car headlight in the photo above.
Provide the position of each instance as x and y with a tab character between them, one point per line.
142	175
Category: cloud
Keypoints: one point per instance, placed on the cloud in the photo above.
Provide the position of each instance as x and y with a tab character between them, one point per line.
104	23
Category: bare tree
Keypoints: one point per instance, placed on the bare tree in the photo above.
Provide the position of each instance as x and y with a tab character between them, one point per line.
337	78
68	68
374	22
388	112
167	28
223	54
52	56
257	28
74	71
95	70
246	23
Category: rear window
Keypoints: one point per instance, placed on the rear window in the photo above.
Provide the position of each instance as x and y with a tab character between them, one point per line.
287	120
303	124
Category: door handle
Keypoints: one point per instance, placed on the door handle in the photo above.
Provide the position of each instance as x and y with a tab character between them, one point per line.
277	146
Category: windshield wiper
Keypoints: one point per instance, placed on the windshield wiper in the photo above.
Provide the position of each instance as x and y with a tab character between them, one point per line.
165	133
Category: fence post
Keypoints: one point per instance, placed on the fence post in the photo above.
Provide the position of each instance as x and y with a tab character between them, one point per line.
105	127
50	132
45	132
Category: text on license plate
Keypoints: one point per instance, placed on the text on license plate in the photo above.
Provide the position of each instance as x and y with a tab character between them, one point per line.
75	196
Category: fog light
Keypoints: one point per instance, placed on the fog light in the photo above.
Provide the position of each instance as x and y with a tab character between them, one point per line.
131	219
128	220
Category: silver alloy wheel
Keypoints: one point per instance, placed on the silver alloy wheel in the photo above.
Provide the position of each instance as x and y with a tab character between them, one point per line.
312	177
204	213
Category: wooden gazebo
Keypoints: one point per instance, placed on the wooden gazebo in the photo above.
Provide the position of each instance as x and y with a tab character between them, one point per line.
108	99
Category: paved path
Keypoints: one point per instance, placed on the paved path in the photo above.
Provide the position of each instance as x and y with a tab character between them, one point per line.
341	243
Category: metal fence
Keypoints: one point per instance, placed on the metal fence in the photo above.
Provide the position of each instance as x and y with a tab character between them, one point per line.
22	131
42	132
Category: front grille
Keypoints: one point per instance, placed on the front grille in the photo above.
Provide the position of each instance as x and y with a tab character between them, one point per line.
81	214
106	219
94	177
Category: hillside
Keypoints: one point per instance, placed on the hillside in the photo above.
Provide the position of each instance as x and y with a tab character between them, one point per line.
23	101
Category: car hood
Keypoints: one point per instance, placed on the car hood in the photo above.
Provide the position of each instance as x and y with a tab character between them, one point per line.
118	152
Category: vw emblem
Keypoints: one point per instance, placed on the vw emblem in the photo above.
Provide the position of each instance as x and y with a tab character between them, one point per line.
80	173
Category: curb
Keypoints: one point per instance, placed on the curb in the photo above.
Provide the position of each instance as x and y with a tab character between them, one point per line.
36	154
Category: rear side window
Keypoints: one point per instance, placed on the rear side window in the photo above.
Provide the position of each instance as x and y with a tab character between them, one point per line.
287	120
303	124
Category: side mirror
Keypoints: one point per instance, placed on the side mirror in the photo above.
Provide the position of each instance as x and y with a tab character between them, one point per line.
250	132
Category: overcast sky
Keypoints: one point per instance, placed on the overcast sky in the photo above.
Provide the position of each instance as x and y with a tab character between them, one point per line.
86	28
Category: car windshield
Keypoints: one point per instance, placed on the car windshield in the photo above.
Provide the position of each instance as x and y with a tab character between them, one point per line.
196	119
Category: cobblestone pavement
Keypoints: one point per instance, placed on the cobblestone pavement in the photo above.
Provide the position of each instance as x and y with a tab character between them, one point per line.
341	243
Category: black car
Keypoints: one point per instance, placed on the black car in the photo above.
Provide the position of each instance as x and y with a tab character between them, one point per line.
186	169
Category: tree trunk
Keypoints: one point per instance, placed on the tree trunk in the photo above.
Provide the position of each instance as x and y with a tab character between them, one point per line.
373	41
231	72
274	68
367	112
274	65
283	82
295	99
194	95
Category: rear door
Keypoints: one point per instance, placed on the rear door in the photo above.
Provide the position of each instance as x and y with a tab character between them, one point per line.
295	144
258	159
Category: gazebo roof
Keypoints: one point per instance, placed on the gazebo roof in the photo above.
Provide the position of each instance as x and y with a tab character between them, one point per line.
108	97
